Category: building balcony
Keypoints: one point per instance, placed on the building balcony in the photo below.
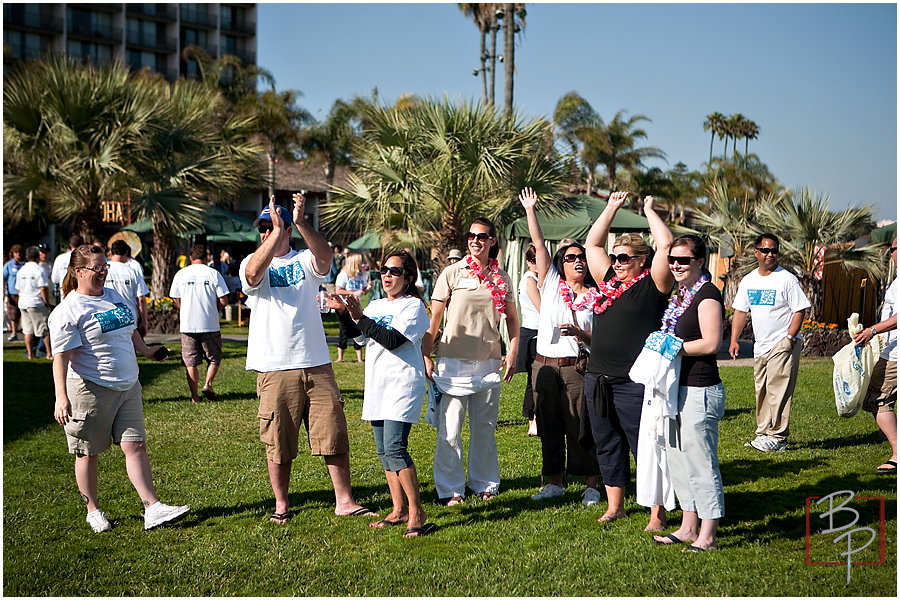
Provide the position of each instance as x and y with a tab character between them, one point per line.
247	56
168	12
89	32
196	18
241	26
151	42
44	23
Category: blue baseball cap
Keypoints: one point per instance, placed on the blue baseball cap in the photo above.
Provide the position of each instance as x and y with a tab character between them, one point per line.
265	215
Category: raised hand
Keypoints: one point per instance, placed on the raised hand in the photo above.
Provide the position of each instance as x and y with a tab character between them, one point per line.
617	199
648	204
275	216
528	198
299	206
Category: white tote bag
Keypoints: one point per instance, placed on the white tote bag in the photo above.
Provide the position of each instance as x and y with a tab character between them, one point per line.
853	370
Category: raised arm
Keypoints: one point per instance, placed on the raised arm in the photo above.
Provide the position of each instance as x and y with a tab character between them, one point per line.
595	243
259	260
662	236
541	255
318	245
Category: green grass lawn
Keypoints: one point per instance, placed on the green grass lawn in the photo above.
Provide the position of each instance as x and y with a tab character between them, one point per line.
209	455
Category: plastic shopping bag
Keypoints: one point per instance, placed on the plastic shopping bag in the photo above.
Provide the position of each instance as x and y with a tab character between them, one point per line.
853	370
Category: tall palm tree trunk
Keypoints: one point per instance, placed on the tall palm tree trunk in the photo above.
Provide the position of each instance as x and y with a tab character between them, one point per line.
493	59
163	257
509	50
484	59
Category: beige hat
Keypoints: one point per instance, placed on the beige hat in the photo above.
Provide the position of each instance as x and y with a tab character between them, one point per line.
454	254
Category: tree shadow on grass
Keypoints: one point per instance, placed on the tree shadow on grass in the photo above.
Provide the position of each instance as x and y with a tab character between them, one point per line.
852	440
28	397
742	470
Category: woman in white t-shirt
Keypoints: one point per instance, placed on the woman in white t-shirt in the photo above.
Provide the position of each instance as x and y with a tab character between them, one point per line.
568	295
352	280
98	396
395	380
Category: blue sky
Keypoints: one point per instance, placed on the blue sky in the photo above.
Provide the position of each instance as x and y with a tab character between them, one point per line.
820	80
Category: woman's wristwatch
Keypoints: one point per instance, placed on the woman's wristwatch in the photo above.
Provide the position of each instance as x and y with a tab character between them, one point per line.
873	330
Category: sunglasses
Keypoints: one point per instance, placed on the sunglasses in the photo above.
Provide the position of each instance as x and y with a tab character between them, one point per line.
622	258
767	250
395	271
893	249
102	269
264	228
481	237
570	258
681	260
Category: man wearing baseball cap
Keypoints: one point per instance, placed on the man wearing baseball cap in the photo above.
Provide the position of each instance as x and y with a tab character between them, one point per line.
287	348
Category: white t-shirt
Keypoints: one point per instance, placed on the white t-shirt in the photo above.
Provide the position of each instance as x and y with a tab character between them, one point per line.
529	313
771	301
121	278
136	267
29	281
351	284
887	310
555	312
60	265
98	329
199	288
286	329
395	379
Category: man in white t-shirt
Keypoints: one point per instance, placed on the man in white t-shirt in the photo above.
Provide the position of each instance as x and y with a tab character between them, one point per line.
776	304
881	397
287	348
122	278
61	265
33	286
198	292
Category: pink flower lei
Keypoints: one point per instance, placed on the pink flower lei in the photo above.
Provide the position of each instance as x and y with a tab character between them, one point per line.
678	306
609	292
567	294
498	289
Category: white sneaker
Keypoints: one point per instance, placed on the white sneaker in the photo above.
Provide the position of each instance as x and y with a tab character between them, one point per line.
98	521
767	443
590	497
160	513
12	337
549	491
759	438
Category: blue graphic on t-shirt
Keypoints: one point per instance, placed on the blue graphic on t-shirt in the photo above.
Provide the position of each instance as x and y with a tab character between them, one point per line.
116	318
384	321
286	276
761	297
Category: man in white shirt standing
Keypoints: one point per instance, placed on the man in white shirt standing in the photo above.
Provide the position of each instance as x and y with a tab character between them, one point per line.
198	292
124	280
34	302
881	397
776	304
286	346
61	265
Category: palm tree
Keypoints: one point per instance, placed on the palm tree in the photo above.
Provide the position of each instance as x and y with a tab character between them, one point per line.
279	121
751	132
744	175
427	171
484	17
331	142
684	191
582	132
71	132
622	136
511	26
805	225
714	123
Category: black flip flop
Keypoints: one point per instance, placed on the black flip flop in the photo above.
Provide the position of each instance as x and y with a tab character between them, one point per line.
385	523
426	529
281	518
209	395
362	511
670	536
892	470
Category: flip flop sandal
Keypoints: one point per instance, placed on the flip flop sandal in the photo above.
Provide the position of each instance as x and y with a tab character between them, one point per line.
671	536
426	529
892	469
209	395
385	523
362	512
281	518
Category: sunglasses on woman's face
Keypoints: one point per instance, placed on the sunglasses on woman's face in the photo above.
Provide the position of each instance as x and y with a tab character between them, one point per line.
570	258
622	258
395	271
681	260
481	237
767	250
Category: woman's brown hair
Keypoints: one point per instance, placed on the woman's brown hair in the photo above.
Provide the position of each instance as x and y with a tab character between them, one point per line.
80	258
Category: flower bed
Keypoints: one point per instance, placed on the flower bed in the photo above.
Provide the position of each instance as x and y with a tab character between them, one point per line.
162	316
819	339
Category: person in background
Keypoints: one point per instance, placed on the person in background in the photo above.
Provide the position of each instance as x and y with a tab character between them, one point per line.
476	297
224	261
124	280
453	256
198	292
98	395
352	280
44	260
633	296
695	314
881	397
530	307
61	263
287	348
568	295
11	296
395	381
776	304
33	286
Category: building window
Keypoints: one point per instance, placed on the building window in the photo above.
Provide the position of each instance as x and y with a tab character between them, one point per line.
98	54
